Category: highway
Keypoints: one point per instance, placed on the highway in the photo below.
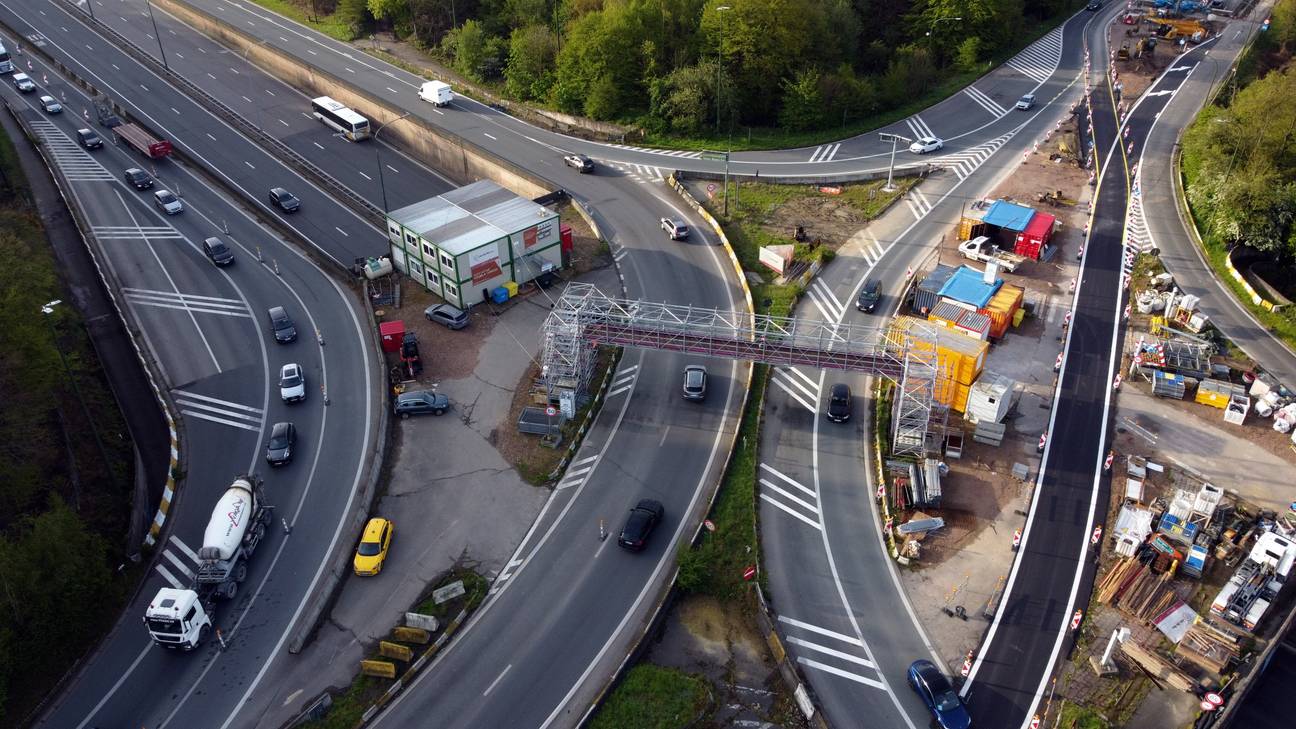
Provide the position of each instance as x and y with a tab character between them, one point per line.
206	328
1032	627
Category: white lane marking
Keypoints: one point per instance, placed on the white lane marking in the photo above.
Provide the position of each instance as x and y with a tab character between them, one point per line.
620	390
844	674
984	101
184	548
665	432
822	288
789	496
254	417
824	307
226	403
490	136
583	461
222	421
794	395
789	510
822	631
810	383
811	390
184	570
789	481
166	575
343	232
829	651
497	680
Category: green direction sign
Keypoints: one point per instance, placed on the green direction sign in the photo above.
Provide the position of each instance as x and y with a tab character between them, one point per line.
719	156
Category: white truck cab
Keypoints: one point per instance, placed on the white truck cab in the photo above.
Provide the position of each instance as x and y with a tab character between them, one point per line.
436	92
178	619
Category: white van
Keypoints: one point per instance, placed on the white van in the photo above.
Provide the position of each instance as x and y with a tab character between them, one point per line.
436	92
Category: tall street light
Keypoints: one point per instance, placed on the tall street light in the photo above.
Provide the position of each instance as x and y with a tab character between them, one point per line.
156	33
48	311
378	153
719	62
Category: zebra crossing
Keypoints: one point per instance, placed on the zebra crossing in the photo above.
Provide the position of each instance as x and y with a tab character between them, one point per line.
1040	59
983	99
870	248
642	174
799	386
918	127
966	162
625	379
576	473
825	301
684	153
788	495
74	162
221	412
825	153
831	652
182	561
917	202
192	303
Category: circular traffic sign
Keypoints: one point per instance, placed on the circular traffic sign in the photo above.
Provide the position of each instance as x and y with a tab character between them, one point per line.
1214	698
551	411
1207	706
710	525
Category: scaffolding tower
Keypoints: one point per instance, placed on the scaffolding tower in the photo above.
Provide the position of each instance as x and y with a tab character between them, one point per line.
584	318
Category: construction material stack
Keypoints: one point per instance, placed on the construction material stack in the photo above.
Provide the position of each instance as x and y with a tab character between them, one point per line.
1257	582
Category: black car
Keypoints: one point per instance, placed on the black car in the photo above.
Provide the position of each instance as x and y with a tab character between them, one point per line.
139	178
420	402
89	139
284	200
279	447
1094	5
935	690
644	517
580	162
218	252
839	403
869	296
282	325
695	383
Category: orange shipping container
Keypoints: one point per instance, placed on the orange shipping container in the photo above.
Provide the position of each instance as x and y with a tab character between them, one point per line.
1001	308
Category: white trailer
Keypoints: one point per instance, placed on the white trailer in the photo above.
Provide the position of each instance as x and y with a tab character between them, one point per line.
1249	592
183	618
981	249
437	93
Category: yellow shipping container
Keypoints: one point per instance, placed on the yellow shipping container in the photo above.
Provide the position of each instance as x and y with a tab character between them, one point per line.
961	393
1215	394
960	358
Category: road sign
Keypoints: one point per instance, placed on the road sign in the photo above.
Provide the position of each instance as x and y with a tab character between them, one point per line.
1035	722
1016	539
711	187
551	411
720	156
1207	706
1214	698
750	572
710	525
1075	619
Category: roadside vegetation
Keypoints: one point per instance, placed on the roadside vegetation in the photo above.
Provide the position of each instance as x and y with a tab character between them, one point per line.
685	73
64	502
1239	167
653	697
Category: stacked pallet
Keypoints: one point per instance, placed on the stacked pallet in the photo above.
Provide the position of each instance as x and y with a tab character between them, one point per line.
1209	647
1137	590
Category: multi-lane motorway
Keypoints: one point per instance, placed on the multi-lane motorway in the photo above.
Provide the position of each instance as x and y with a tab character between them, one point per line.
566	611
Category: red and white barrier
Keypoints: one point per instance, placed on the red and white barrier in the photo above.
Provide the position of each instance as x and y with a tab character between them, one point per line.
1075	619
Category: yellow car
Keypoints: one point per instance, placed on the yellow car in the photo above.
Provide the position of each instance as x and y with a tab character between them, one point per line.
374	544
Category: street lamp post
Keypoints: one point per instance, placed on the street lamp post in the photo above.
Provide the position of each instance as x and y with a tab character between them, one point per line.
894	139
155	32
48	311
719	62
378	153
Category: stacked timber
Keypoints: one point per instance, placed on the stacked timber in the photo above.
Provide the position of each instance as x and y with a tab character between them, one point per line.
1209	647
1137	590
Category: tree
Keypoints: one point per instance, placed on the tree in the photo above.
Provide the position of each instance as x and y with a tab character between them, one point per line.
802	105
968	57
396	12
355	13
685	99
467	46
530	70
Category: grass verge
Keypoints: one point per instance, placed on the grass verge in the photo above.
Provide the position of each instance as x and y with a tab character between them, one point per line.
330	25
654	697
1075	716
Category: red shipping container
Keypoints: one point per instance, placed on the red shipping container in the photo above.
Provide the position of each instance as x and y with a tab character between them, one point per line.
565	235
392	333
1031	242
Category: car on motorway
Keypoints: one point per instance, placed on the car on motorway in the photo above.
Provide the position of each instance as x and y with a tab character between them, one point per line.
935	691
282	325
292	383
88	139
1026	102
168	201
219	253
284	200
839	403
926	144
579	162
676	229
23	83
51	105
139	178
279	447
643	518
695	383
451	317
375	542
420	402
1094	5
869	296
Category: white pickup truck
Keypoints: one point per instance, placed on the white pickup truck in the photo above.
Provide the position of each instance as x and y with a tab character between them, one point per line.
981	249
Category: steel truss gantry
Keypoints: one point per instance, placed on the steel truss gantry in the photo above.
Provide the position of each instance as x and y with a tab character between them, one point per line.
584	318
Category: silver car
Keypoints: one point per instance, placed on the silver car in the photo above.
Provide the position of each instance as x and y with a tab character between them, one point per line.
169	203
695	383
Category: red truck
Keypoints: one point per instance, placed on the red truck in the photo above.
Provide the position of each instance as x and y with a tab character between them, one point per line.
146	143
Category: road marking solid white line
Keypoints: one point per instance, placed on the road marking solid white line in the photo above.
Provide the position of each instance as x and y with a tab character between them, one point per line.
177	584
497	680
789	496
620	390
223	411
810	391
184	569
844	674
829	651
583	461
810	383
794	395
797	514
665	432
780	475
227	403
794	484
222	421
184	548
821	631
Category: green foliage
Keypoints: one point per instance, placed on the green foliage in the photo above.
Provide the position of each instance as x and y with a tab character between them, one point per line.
467	46
685	99
802	105
968	57
353	14
529	74
653	697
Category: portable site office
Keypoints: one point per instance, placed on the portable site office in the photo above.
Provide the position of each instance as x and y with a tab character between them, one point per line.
467	242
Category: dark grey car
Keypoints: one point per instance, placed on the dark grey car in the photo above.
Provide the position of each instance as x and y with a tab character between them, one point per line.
218	252
451	317
839	403
643	518
89	139
695	383
420	402
284	200
282	325
869	296
279	447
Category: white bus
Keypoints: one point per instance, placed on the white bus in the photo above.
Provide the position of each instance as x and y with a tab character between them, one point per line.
6	65
334	114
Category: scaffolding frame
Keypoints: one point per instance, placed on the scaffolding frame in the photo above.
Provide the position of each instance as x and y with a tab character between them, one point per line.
583	319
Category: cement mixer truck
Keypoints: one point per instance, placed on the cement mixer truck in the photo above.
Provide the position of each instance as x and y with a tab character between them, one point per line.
183	618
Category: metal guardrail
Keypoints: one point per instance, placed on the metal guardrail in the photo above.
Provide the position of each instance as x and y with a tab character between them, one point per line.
370	212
